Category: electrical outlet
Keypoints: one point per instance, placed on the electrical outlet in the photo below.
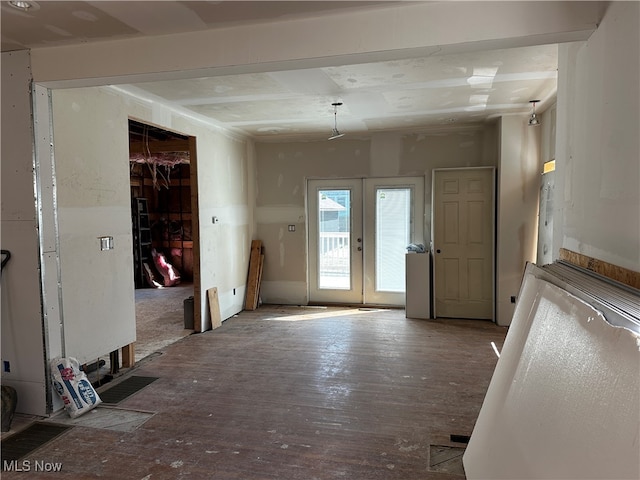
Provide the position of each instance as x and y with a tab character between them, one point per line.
513	299
292	228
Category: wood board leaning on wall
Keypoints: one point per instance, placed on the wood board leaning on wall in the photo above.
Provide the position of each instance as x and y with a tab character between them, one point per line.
256	262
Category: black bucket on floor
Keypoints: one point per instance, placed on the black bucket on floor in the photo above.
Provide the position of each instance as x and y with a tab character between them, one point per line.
188	313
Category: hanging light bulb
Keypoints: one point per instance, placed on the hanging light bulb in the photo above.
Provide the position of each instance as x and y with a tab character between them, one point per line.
24	5
335	133
534	121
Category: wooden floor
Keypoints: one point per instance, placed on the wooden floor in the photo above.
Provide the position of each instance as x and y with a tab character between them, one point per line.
295	393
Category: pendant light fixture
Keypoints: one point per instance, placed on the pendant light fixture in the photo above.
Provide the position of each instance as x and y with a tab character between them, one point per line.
24	5
534	121
335	133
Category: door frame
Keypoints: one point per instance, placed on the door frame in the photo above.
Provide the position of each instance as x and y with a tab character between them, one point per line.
189	144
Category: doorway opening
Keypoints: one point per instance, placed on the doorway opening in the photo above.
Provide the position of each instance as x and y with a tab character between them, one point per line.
161	186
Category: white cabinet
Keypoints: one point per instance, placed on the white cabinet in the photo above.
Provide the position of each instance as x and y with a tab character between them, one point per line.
418	285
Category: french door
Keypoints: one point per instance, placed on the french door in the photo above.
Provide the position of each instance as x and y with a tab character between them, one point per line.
358	233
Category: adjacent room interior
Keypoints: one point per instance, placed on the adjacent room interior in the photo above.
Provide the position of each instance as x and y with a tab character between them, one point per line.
161	192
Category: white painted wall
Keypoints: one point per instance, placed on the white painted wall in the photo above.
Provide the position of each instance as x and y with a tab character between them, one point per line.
597	212
22	325
517	207
283	168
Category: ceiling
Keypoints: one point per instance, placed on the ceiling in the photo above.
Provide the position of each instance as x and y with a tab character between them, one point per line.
412	94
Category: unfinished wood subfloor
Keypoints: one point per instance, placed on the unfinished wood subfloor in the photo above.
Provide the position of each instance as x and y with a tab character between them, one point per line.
160	318
296	393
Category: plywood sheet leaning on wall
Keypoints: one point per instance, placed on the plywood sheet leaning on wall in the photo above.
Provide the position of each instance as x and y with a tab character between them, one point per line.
614	272
564	399
256	261
214	308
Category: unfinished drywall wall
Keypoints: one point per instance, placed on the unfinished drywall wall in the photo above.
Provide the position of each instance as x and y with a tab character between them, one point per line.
92	178
223	193
386	31
283	168
454	148
94	166
597	212
23	362
548	133
224	189
517	207
544	253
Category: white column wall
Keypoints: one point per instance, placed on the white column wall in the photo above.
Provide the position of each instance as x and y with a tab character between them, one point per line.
518	191
23	362
92	173
597	212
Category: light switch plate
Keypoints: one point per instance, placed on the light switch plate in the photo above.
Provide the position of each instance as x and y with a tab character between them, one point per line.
106	243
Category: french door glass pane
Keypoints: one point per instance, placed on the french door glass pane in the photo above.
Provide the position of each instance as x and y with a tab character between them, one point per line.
393	233
334	252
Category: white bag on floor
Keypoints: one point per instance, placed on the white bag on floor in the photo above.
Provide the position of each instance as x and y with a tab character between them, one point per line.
72	385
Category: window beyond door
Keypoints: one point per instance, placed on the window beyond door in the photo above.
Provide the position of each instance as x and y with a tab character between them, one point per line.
334	253
393	234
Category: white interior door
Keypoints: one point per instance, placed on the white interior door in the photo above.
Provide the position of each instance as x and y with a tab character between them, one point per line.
357	244
463	242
